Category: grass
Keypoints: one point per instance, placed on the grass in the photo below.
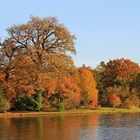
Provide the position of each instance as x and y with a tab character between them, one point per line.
103	110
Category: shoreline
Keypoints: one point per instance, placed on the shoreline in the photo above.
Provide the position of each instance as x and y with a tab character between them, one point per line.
68	112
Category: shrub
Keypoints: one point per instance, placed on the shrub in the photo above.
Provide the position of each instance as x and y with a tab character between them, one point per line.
131	103
24	103
32	103
4	105
114	100
60	107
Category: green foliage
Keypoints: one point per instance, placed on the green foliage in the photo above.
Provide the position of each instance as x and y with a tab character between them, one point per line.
32	103
135	83
60	107
101	79
24	103
38	100
4	104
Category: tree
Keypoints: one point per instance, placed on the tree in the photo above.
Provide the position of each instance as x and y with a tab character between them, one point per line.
100	77
45	42
64	91
89	93
8	52
120	72
40	38
34	54
135	84
114	100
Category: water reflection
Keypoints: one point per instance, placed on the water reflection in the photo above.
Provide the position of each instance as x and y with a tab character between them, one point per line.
72	127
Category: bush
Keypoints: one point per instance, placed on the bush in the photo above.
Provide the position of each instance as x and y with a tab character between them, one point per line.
4	105
131	103
24	103
114	100
32	103
60	107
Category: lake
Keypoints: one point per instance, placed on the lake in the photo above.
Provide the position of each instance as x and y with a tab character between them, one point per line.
72	127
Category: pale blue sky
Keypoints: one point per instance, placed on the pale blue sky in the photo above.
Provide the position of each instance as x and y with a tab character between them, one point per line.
105	29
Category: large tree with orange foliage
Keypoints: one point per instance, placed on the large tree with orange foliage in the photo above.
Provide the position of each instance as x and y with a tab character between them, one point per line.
38	46
35	52
40	39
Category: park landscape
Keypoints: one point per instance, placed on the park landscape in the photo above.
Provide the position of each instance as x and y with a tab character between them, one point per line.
37	73
69	70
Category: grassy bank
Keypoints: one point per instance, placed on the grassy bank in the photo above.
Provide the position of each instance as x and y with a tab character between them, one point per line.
102	110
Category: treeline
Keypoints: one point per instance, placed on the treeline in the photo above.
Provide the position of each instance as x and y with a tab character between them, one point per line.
118	82
37	72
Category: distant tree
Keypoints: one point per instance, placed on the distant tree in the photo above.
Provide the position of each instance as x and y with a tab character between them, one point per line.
114	100
100	74
89	93
121	72
135	83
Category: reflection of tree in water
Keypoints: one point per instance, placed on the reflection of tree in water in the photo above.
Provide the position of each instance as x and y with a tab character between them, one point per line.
89	126
61	127
4	127
72	127
17	128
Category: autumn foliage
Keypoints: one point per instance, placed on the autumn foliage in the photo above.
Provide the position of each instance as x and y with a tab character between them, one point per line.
121	71
37	72
114	100
89	93
34	59
118	80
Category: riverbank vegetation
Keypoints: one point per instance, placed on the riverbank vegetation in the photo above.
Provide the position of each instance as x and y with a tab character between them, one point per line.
37	72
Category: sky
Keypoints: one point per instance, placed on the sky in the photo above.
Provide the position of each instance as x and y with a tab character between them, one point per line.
105	29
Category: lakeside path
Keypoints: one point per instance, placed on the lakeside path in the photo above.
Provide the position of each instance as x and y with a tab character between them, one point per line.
76	111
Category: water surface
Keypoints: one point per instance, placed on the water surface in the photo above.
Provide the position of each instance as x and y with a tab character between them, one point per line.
72	127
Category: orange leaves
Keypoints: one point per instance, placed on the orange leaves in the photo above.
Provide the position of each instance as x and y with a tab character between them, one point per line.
114	100
36	57
1	77
89	93
46	83
10	93
45	34
1	80
121	70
